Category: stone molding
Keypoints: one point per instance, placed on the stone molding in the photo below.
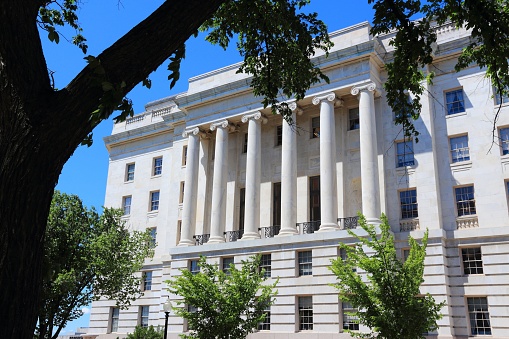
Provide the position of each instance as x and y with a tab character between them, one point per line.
254	116
369	87
222	124
329	97
295	108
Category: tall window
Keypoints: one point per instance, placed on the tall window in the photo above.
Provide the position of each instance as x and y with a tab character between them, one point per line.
459	148
344	256
266	264
314	198
479	316
465	202
472	260
504	140
305	259
115	314
181	196
226	262
242	209
184	155
129	172
454	101
158	166
153	237
265	324
244	144
147	280
315	127
144	313
305	313
350	322
154	201
408	201
126	204
279	135
276	204
194	268
405	153
353	119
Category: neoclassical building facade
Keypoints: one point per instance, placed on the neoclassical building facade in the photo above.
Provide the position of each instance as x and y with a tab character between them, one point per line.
210	172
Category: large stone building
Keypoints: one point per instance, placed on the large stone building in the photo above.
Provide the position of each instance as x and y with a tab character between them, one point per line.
212	173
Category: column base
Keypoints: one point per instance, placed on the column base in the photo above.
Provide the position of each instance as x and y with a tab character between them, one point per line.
373	221
327	227
186	243
217	239
250	236
285	232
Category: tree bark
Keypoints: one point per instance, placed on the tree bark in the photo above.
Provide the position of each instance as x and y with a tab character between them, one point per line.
41	128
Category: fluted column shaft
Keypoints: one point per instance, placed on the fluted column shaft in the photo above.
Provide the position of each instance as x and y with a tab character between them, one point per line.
368	153
328	180
191	187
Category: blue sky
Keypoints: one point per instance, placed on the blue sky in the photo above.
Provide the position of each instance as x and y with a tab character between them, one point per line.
104	21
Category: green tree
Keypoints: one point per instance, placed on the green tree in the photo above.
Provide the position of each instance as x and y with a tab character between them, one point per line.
384	290
220	305
145	333
86	255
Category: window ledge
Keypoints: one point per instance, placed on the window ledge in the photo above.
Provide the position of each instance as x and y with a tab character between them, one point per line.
405	170
152	213
455	115
461	166
467	221
407	225
504	159
156	176
128	182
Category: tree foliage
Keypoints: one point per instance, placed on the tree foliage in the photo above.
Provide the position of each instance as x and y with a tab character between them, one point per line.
223	306
384	290
86	255
145	333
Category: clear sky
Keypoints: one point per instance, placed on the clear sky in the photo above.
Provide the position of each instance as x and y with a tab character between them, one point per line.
104	21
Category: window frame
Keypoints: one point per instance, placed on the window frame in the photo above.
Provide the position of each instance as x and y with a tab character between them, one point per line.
225	264
157	166
315	127
471	260
130	169
354	122
194	266
496	95
244	143
125	206
264	325
146	280
114	319
405	156
144	316
279	136
504	143
348	321
181	191
153	236
305	263
454	107
462	153
184	156
266	264
472	315
408	201
154	203
305	312
460	209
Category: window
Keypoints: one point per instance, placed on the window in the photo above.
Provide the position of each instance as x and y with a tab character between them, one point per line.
154	201
279	135
305	313
126	204
153	237
504	140
314	198
465	202
115	314
194	268
144	313
266	264
184	155
179	230
242	209
129	172
158	166
406	253
405	153
459	148
472	260
353	119
181	196
479	316
454	101
350	322
276	204
305	263
226	265
244	144
147	280
265	324
408	201
505	97
315	127
344	256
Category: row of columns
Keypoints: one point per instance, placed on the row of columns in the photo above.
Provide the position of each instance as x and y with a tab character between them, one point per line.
328	181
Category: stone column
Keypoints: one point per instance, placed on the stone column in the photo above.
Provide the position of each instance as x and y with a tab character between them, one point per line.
219	181
369	153
289	174
253	175
190	187
328	180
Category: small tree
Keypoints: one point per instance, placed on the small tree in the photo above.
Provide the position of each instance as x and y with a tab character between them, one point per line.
222	305
146	333
86	255
389	302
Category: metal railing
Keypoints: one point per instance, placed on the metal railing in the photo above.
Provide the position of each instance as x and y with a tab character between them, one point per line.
201	239
309	227
231	236
348	223
270	231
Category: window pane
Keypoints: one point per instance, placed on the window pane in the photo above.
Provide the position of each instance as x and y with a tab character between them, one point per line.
459	148
305	263
479	316
350	322
194	268
279	135
504	140
126	205
266	264
315	127
465	202
226	265
408	200
154	201
472	260
305	313
144	316
129	172
405	153
115	314
158	166
455	102
147	281
353	118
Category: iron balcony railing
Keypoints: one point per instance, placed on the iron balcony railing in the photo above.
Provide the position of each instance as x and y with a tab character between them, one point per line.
201	239
270	231
231	236
348	223
309	227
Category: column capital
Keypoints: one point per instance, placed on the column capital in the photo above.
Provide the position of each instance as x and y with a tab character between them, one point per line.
225	124
328	97
369	87
191	130
295	108
254	116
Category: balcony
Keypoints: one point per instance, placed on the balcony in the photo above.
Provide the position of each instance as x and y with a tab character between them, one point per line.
407	225
201	239
348	223
467	222
270	231
308	227
231	236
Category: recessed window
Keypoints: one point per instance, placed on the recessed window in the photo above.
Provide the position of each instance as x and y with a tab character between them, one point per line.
305	313
226	263
344	256
314	198
305	263
154	201
129	172
479	316
315	127
276	204
472	260
504	99
194	267
153	237
144	313
184	155
179	230
504	140
266	265
405	153
147	280
454	101
158	166
279	135
181	196
350	322
244	144
408	201
242	209
465	202
126	204
265	324
405	253
115	315
459	148
353	119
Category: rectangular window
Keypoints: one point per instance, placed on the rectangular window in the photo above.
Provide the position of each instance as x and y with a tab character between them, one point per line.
479	316
276	204
154	201
353	119
181	196
314	198
472	260
305	263
279	135
194	268
244	144
465	202
405	153
115	314
315	127
179	230
184	155
144	313
147	280
454	101
504	140
242	209
158	166
408	201
126	204
344	255
153	237
266	264
129	172
459	148
504	99
265	324
406	253
226	262
350	322
305	313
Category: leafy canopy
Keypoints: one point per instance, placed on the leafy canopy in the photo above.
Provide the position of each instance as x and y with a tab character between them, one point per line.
384	290
146	333
220	305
